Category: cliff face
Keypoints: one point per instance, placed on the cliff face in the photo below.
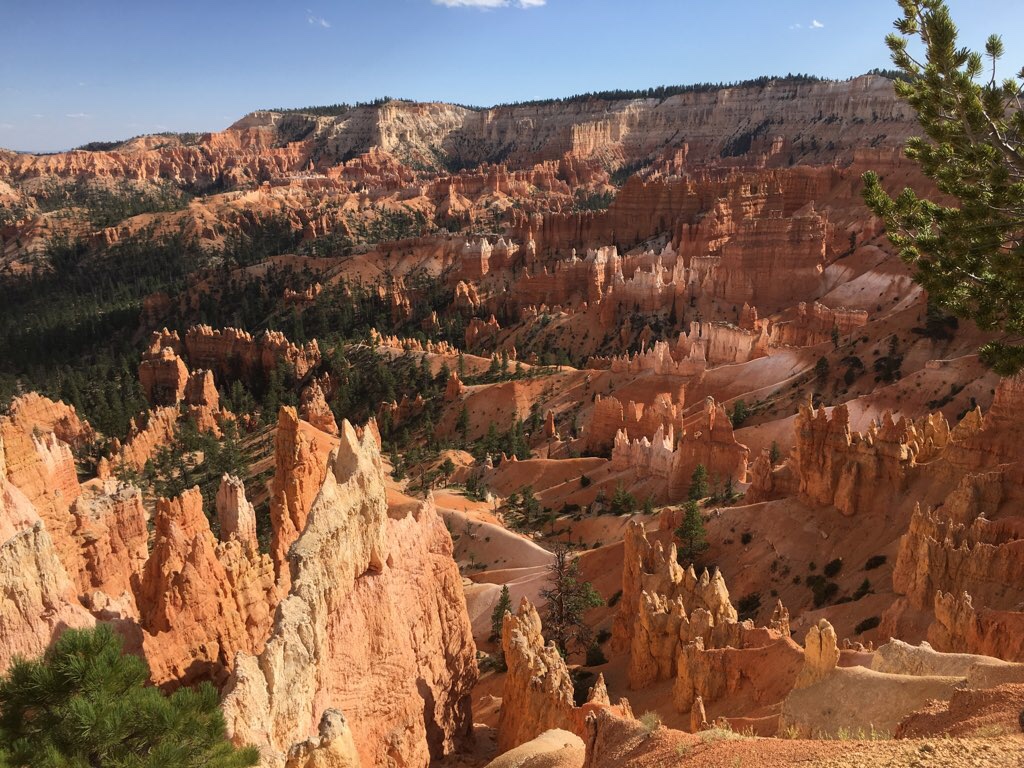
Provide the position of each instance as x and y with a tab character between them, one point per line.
776	124
361	581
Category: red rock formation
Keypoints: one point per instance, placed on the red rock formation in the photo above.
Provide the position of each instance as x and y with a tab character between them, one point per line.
454	389
230	352
110	524
960	628
856	472
769	482
537	696
49	416
298	475
816	325
636	420
39	599
538	692
42	468
316	411
201	391
163	378
480	334
375	625
200	603
711	443
236	515
142	444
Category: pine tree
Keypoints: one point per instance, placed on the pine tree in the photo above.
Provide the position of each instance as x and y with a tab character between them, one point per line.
691	533
821	369
568	598
698	483
447	469
503	605
967	256
462	425
623	502
85	703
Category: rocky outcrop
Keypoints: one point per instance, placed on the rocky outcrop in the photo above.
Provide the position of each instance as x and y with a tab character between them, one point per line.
710	442
163	377
959	627
374	625
816	324
41	467
635	420
985	559
858	472
299	470
645	624
769	481
52	416
537	696
235	515
39	600
200	602
231	353
143	443
332	748
538	692
110	524
821	654
316	411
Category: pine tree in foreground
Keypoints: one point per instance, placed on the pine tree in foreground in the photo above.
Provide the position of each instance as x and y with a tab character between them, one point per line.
86	704
968	256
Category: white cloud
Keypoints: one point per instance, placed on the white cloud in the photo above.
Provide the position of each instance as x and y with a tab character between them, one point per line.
76	115
815	24
6	126
38	116
317	21
484	4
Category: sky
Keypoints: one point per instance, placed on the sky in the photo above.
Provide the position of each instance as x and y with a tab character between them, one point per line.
73	71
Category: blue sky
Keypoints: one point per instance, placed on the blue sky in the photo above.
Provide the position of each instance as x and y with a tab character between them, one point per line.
73	71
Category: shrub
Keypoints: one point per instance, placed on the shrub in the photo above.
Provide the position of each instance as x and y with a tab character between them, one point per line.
746	538
749	605
833	567
874	562
614	599
651	721
862	590
595	656
585	481
869	623
581	685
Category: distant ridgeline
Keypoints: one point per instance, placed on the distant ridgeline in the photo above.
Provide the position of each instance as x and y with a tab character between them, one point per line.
660	93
